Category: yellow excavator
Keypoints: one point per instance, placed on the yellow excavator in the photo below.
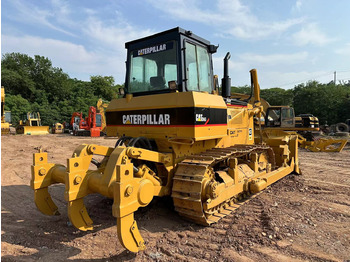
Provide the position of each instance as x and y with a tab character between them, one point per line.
101	108
283	118
177	136
5	125
32	125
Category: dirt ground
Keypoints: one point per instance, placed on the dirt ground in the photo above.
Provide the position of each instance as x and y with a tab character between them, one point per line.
300	218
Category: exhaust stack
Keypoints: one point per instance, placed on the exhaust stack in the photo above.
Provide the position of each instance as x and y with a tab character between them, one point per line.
226	80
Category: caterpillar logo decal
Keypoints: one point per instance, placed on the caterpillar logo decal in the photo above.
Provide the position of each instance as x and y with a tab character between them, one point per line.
153	49
201	118
181	117
161	119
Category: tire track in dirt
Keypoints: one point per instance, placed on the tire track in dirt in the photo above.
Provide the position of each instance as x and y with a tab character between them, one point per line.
306	217
345	170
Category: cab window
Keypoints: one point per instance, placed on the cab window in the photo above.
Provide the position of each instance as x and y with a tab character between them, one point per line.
287	117
151	68
197	68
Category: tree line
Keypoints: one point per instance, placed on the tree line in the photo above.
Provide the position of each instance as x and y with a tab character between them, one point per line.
329	102
32	84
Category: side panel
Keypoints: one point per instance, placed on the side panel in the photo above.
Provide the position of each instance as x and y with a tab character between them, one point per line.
192	115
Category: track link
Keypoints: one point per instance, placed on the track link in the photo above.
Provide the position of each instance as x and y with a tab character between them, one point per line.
192	174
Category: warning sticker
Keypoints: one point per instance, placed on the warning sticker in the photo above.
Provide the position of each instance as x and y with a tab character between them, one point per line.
250	132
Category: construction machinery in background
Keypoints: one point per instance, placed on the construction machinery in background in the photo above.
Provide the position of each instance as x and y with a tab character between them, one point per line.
90	126
31	125
101	109
307	121
5	118
177	137
307	126
77	122
57	128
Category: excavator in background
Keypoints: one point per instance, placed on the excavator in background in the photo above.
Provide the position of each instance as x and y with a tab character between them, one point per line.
101	108
5	122
90	126
306	125
31	125
178	137
77	122
282	118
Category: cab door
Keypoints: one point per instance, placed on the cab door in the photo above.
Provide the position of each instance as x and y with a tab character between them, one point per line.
287	117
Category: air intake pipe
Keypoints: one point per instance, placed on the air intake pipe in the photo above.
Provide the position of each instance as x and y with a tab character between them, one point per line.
226	80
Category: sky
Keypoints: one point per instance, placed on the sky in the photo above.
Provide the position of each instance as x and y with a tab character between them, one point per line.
288	42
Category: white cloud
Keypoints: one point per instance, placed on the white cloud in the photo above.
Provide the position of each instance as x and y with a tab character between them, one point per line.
231	16
240	65
274	59
102	52
115	35
32	14
69	56
61	12
345	51
291	79
297	6
310	34
106	41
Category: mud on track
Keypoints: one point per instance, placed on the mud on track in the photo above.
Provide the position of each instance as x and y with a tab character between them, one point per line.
297	219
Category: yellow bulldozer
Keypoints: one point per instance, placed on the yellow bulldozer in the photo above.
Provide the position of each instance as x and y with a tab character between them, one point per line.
178	136
283	118
31	125
306	125
5	125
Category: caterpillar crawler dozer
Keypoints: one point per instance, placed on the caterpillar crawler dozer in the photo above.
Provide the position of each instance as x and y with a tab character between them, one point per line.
177	137
282	118
31	125
306	125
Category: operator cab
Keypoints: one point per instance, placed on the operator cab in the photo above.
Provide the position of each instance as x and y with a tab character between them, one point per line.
280	116
168	61
98	120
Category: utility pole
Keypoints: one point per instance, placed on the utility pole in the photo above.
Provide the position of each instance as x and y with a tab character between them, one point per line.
335	77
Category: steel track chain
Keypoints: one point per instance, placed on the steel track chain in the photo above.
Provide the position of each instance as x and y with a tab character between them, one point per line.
189	177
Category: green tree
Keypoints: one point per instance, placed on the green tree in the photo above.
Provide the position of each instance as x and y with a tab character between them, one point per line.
104	87
328	102
18	107
241	89
278	96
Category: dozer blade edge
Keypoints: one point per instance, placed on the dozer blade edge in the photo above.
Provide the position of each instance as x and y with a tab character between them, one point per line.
323	144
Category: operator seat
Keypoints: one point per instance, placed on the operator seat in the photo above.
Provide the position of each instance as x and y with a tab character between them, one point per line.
157	82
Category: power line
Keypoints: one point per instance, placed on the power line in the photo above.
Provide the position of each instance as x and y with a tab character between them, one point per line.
348	78
307	79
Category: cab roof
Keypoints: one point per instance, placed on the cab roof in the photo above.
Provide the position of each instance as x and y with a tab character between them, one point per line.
167	35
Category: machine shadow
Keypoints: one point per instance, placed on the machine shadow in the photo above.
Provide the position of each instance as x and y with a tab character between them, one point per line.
24	225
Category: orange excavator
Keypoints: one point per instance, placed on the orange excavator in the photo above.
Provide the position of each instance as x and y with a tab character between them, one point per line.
90	126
